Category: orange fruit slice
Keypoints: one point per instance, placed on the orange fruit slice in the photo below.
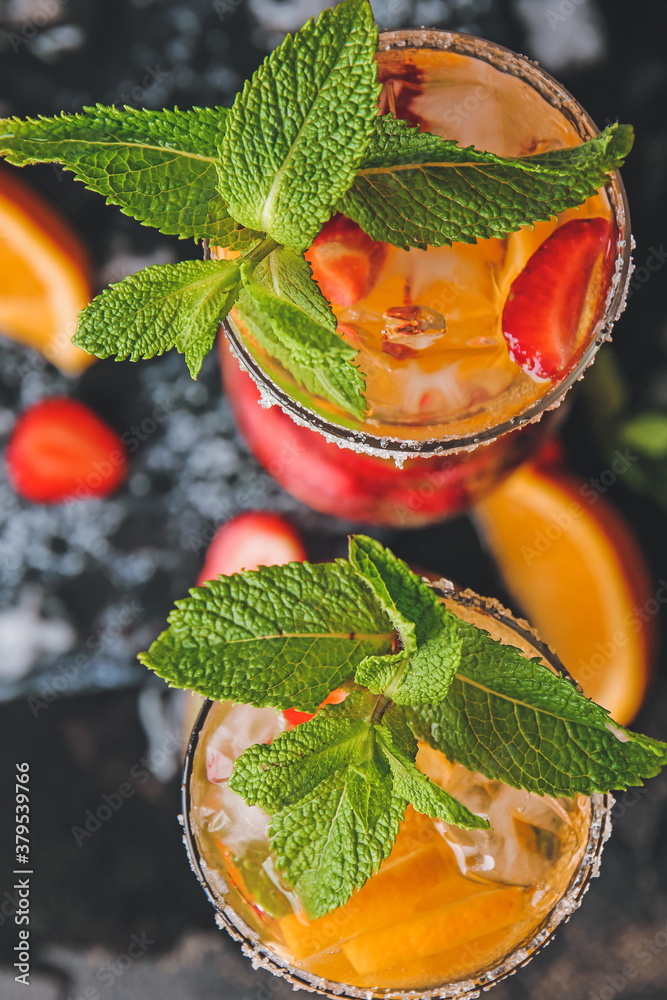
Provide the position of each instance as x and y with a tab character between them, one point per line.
424	935
43	276
578	575
392	890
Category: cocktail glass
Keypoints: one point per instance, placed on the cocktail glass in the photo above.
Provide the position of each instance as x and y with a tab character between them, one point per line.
447	405
449	913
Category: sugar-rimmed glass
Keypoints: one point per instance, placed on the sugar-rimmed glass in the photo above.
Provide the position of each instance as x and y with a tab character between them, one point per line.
242	921
451	472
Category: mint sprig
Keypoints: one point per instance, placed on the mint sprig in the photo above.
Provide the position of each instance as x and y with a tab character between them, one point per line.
302	141
337	786
415	189
338	778
165	306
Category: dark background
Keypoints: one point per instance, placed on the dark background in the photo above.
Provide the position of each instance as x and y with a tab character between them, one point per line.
109	574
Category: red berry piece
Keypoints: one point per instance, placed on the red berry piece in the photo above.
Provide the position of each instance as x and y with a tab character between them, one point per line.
542	318
294	717
251	540
345	261
60	450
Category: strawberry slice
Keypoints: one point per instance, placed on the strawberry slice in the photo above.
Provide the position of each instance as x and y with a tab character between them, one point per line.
294	717
542	318
60	450
345	261
250	540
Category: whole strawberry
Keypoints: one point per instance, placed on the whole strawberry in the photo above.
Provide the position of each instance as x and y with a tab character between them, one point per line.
60	450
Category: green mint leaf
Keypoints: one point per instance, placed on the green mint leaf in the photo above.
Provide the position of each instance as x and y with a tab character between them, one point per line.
157	166
414	189
378	673
297	131
284	636
287	273
258	882
293	765
315	355
399	591
423	672
400	748
511	718
337	787
325	848
170	305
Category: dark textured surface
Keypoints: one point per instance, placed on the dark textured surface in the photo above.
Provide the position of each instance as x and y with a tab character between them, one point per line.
111	572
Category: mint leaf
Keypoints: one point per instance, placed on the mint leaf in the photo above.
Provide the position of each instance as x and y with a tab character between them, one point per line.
337	787
414	189
430	637
287	273
325	848
170	305
399	591
284	635
315	355
273	776
158	166
400	748
511	718
297	131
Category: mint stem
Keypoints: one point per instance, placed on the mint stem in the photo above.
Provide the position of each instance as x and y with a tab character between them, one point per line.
261	251
382	703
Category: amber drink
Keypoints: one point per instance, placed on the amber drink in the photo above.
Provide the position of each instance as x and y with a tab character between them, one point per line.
449	911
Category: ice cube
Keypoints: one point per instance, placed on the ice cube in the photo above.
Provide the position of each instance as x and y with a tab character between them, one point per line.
227	816
409	329
241	727
218	766
528	836
222	811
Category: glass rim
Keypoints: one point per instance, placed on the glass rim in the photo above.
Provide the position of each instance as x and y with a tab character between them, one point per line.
399	448
465	988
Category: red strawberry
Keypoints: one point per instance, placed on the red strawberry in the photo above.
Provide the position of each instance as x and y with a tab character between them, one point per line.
61	450
294	717
250	540
345	261
544	309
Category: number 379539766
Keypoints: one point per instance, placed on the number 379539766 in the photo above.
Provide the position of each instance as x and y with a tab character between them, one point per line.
22	812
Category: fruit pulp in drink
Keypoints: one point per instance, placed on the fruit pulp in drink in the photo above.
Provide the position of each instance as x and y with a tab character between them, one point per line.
445	906
451	344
